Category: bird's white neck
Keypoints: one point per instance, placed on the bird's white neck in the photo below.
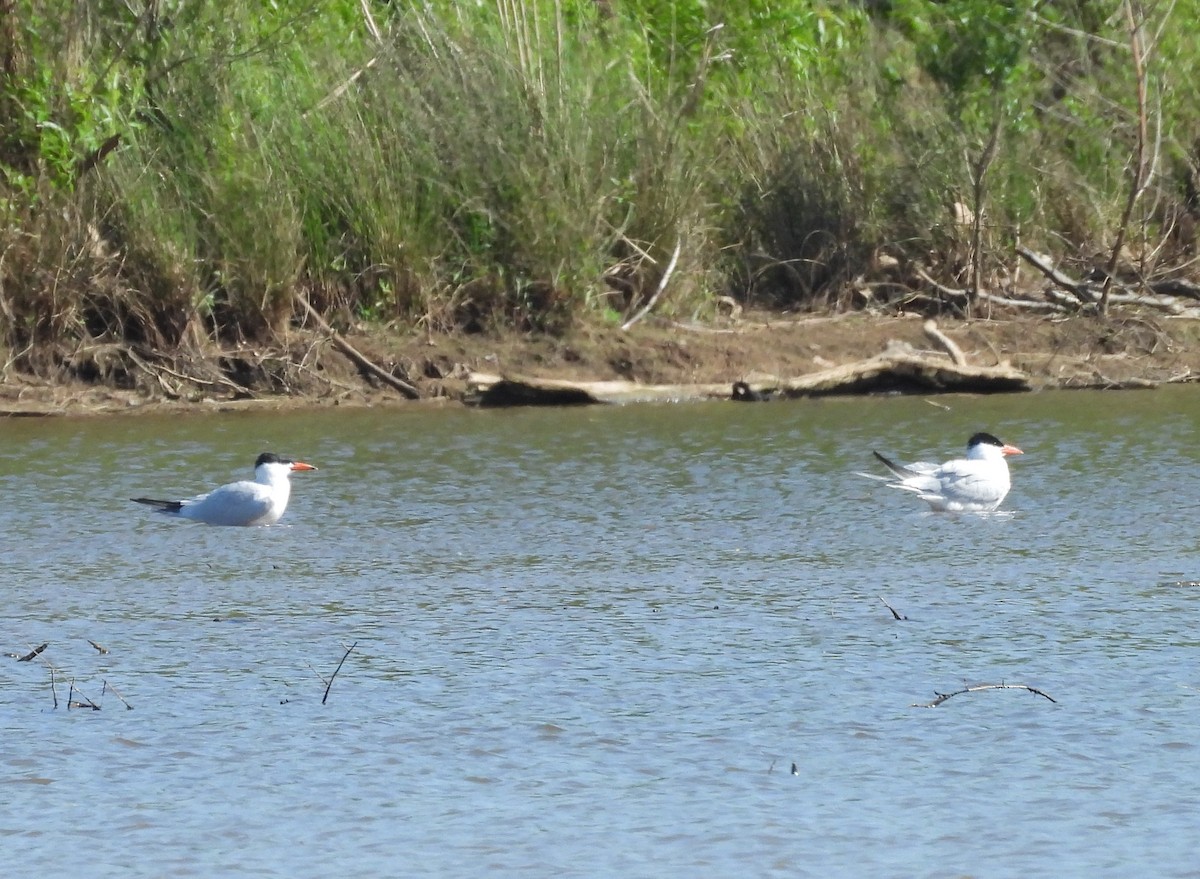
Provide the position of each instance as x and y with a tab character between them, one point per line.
274	475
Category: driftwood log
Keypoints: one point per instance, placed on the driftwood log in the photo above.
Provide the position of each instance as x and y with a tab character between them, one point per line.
892	371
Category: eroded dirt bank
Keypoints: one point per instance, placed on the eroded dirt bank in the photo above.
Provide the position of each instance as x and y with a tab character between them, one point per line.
307	369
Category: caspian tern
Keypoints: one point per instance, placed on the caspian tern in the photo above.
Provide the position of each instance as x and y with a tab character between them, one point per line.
260	502
976	483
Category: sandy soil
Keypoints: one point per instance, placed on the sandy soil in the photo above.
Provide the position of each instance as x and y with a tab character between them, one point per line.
307	370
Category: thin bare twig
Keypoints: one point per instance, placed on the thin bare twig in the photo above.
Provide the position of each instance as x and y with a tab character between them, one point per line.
72	702
107	686
336	670
1140	178
324	679
1004	301
979	169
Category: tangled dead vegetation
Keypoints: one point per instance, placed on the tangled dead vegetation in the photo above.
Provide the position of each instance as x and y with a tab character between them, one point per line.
781	354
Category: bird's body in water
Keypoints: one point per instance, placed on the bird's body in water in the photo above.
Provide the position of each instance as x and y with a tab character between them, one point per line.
976	483
743	393
246	503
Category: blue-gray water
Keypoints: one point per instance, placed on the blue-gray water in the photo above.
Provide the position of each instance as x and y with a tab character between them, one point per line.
593	642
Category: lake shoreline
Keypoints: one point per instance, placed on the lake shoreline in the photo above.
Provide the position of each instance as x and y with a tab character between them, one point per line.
310	368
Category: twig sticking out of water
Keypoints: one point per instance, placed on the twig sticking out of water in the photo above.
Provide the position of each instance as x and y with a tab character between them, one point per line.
106	687
99	648
53	677
324	679
896	615
336	670
942	697
83	702
32	653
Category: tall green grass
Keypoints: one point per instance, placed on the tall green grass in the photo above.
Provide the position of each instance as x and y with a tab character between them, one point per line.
537	163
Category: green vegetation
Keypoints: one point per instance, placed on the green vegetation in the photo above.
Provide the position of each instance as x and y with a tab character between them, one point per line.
173	171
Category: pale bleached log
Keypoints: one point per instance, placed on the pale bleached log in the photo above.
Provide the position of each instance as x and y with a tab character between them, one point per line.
885	372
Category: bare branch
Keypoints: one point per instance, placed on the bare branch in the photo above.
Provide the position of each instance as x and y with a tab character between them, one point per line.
947	344
942	697
107	686
662	285
336	670
355	356
1140	177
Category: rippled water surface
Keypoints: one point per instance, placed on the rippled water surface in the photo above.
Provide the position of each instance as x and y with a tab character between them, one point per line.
595	642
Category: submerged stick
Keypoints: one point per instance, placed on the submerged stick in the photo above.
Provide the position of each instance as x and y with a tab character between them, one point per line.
99	647
336	670
107	686
53	688
942	697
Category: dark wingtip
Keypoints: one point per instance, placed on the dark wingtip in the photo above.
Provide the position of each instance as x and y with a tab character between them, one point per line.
161	506
897	470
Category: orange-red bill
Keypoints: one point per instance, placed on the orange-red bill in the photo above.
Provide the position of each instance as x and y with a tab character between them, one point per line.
1007	450
300	465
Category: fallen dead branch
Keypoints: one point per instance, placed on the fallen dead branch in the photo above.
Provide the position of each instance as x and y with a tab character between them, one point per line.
947	344
942	697
355	356
336	670
964	296
1081	289
1174	287
1074	295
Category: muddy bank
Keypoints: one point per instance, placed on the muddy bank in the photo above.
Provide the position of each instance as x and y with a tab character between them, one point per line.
768	351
